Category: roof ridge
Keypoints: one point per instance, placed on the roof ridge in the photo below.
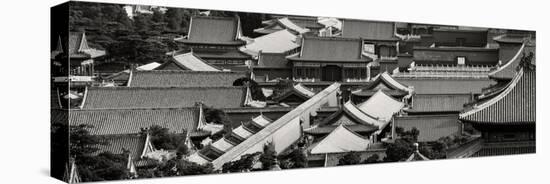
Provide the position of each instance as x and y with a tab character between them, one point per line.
307	37
213	17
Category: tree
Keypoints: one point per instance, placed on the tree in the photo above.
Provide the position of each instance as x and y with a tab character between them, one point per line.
351	158
402	147
372	159
255	89
162	138
92	164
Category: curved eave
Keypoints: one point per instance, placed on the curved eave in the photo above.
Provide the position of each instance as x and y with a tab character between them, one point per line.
500	74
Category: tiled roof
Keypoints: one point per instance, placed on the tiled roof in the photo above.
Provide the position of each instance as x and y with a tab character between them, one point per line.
279	24
322	130
303	21
339	140
431	127
134	145
331	49
446	86
187	61
440	102
130	121
298	90
369	30
387	84
78	47
272	60
381	106
509	70
213	30
277	42
155	97
165	78
515	105
220	53
506	148
351	117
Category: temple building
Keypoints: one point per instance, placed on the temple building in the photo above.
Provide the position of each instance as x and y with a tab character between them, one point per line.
187	61
341	139
282	41
78	53
330	59
387	84
217	40
416	155
121	78
272	67
295	95
506	120
296	24
349	116
379	38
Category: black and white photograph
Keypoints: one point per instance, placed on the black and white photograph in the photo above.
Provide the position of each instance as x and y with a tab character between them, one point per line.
149	91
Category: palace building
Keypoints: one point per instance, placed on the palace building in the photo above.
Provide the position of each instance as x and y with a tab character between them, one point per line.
216	40
330	59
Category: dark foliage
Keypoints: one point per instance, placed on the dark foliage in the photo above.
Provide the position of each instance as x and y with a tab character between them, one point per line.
162	138
351	158
255	89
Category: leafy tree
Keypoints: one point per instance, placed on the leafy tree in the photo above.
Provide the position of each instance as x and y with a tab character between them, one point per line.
372	159
245	163
297	158
94	166
255	89
162	138
351	158
403	147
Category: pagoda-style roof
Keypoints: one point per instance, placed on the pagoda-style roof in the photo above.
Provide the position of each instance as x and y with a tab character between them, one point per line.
433	103
331	49
302	21
298	90
78	47
351	117
281	23
175	78
431	127
277	42
369	30
272	60
237	135
214	31
340	140
514	105
385	83
381	106
187	61
132	121
162	97
509	70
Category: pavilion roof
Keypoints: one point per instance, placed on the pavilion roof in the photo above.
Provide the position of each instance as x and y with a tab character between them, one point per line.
187	61
276	42
281	23
331	49
439	102
381	106
368	30
214	31
339	140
